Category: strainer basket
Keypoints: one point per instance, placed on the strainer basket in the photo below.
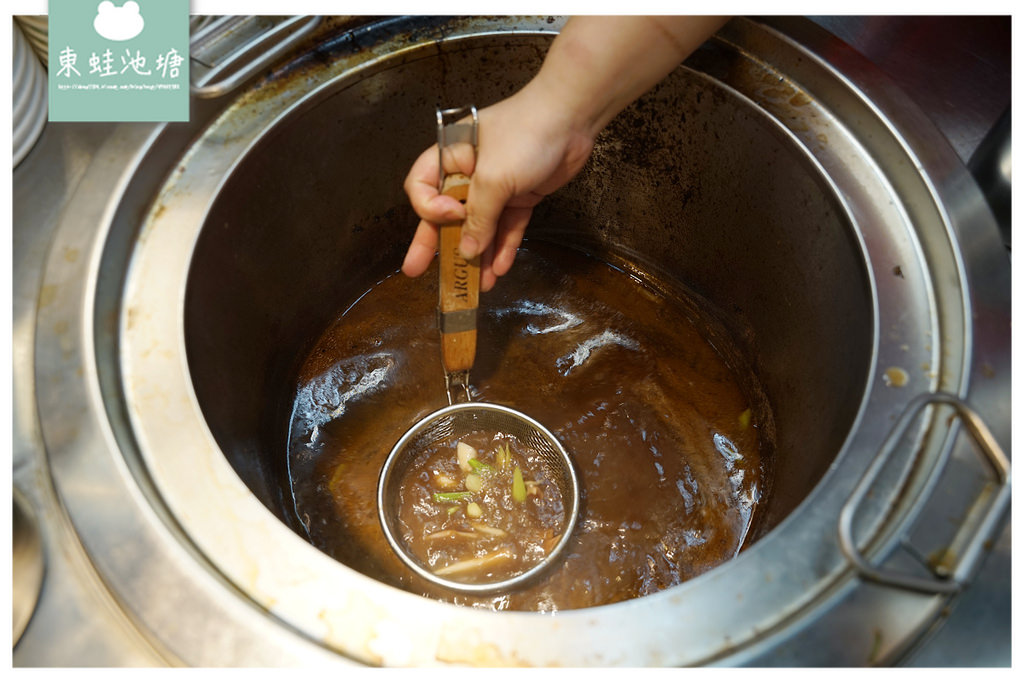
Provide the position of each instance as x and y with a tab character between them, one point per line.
447	426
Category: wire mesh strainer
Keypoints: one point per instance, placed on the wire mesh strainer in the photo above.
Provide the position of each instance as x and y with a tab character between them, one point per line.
458	299
445	428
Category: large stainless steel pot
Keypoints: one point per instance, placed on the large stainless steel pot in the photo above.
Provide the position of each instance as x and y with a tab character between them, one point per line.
821	213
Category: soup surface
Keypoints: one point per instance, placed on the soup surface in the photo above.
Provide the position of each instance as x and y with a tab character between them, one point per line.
670	433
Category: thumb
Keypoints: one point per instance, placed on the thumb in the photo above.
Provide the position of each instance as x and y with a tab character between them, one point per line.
484	204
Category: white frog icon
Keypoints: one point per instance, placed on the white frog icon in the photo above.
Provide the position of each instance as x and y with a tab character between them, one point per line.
118	23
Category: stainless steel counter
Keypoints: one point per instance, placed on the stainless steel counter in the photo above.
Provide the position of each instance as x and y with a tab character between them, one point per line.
957	69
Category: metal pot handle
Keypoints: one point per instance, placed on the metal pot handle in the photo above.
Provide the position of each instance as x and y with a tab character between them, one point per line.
247	50
978	525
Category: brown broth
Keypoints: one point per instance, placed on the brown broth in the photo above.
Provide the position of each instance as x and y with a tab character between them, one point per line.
632	380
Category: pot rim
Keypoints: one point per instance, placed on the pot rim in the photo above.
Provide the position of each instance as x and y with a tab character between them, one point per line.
311	593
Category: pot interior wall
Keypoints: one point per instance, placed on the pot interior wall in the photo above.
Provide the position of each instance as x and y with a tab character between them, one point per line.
692	184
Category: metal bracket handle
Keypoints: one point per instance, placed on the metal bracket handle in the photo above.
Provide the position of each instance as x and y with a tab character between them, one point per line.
976	528
453	383
459	287
269	45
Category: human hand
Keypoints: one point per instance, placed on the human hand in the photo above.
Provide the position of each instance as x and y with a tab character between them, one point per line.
534	142
527	148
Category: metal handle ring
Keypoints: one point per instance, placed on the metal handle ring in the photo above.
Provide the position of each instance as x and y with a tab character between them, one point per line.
976	528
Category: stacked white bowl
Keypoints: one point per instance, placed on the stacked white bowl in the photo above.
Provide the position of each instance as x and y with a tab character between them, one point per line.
37	30
30	96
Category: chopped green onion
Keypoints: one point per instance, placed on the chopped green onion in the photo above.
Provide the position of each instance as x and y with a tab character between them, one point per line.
474	482
336	479
479	466
503	456
518	485
453	509
448	497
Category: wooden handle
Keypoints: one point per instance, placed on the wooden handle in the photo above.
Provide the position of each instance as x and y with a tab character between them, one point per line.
460	289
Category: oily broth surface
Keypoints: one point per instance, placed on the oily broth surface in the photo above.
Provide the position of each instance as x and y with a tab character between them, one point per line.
623	375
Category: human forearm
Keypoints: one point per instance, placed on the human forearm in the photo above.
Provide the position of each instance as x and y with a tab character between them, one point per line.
598	65
535	141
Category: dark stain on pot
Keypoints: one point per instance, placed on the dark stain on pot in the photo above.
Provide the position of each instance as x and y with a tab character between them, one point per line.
672	440
346	37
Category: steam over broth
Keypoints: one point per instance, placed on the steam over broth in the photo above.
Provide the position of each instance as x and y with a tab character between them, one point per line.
672	441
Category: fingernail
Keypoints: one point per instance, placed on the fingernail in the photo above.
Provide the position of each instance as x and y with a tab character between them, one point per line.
469	247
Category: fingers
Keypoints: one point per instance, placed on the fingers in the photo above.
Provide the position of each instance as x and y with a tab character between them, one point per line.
496	246
511	228
497	259
487	201
421	187
422	249
459	157
487	276
495	217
